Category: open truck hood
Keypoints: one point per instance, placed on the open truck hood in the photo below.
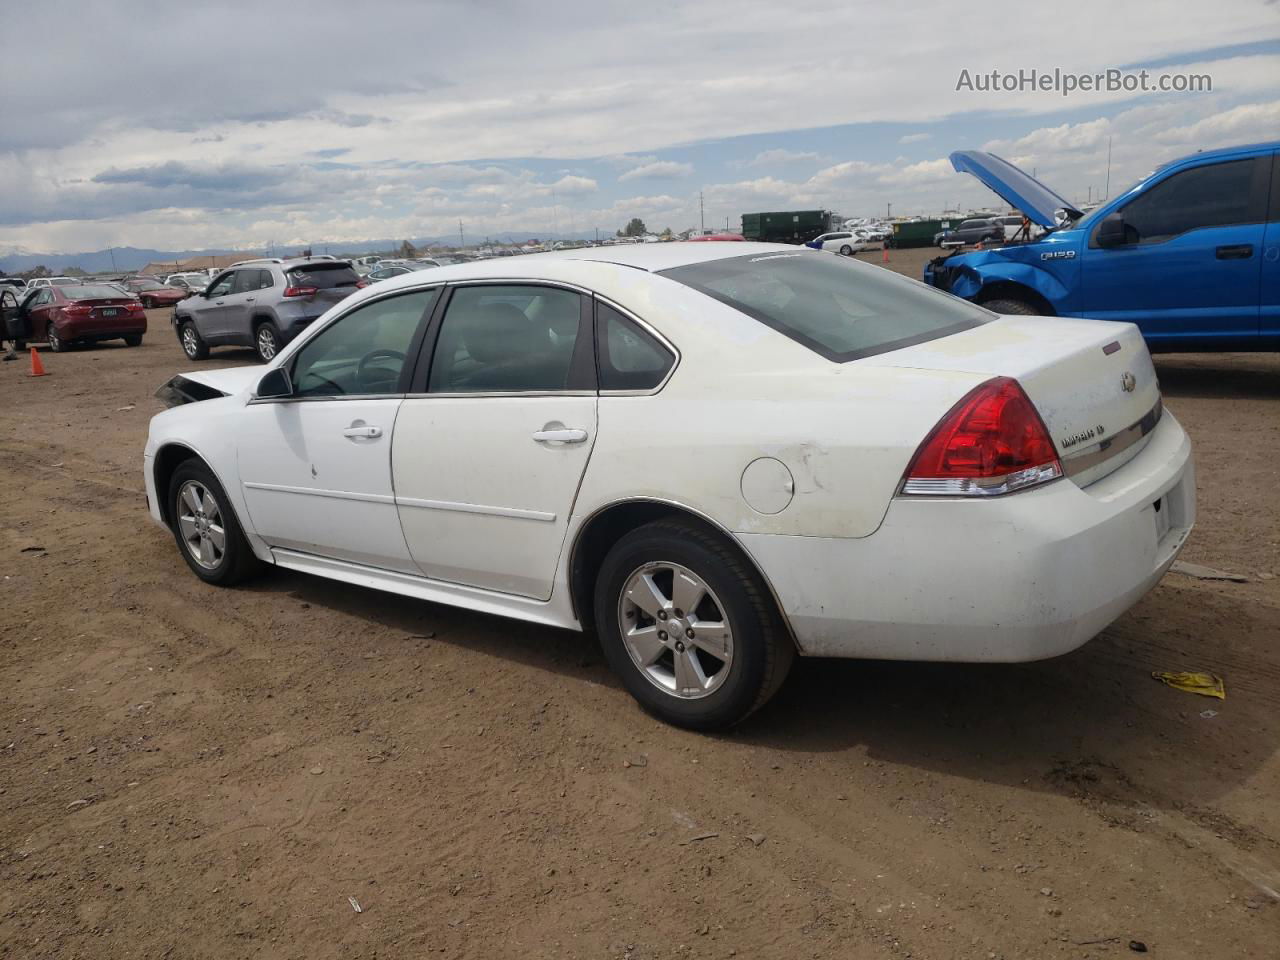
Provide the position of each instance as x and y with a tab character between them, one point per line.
1026	193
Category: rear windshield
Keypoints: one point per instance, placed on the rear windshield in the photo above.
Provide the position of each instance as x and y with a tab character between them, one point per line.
92	292
324	275
836	306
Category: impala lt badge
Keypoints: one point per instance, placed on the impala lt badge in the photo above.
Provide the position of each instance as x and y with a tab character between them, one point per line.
1128	382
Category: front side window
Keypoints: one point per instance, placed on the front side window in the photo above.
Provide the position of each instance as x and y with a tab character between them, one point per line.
364	351
223	286
1218	195
838	307
509	338
627	358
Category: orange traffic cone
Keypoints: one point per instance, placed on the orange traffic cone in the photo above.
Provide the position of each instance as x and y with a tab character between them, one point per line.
37	367
884	256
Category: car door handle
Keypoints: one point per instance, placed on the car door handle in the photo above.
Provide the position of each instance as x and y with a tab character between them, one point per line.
1235	251
218	302
250	299
362	431
563	435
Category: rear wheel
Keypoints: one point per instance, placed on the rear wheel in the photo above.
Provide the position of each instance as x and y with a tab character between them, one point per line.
1018	307
133	340
688	627
193	344
205	526
266	341
56	343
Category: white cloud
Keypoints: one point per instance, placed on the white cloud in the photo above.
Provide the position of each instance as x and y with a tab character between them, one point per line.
914	138
658	170
574	186
768	158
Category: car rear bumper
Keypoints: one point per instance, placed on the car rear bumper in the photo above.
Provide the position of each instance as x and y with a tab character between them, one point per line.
1024	577
104	329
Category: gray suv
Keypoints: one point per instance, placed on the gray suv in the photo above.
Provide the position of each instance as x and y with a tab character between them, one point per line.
261	304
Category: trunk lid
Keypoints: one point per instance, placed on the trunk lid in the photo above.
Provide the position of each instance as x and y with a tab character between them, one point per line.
1092	382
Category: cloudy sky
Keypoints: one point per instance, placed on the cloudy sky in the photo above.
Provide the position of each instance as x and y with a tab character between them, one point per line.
235	124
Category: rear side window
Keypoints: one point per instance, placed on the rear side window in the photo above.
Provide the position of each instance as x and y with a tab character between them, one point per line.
1218	195
323	276
627	358
505	339
836	306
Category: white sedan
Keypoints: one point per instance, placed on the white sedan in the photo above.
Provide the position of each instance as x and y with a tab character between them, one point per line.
844	242
715	455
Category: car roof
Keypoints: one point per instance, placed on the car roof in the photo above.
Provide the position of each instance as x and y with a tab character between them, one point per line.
650	257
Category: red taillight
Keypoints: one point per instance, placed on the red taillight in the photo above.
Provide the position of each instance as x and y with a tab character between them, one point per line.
136	307
991	442
300	291
77	310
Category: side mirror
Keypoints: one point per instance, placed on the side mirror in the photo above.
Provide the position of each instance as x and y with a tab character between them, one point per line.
276	383
1114	232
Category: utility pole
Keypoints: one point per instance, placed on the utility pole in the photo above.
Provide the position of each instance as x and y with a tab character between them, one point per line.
597	236
461	241
702	216
112	251
1107	193
888	211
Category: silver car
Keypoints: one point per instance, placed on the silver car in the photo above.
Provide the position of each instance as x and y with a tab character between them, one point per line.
262	304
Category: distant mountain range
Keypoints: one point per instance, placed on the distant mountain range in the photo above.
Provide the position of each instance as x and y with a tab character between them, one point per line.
125	259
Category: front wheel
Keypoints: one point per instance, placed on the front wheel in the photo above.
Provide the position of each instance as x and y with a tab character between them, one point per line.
193	344
205	526
846	251
688	627
147	303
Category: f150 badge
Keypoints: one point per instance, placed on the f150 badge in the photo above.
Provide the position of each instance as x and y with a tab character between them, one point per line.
1058	255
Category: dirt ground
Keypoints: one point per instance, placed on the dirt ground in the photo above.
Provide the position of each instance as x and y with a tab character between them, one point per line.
192	772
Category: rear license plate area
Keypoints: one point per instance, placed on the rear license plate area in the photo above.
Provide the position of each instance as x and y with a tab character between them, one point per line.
109	311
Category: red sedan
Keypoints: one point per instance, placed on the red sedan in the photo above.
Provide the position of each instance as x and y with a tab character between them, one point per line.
87	312
153	293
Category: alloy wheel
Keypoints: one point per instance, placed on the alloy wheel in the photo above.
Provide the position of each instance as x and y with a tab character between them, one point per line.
189	344
55	343
266	342
674	629
200	524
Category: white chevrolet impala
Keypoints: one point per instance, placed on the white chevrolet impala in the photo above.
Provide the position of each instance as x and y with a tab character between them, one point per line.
715	455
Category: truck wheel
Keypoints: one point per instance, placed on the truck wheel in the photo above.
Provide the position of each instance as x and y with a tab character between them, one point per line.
1016	307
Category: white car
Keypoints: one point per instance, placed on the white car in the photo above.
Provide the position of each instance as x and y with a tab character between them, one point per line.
844	242
715	455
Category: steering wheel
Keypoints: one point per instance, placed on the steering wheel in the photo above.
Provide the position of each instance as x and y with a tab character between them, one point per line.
378	354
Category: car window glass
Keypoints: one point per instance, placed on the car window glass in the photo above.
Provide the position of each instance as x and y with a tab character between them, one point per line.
506	338
839	307
364	351
265	280
223	285
245	281
1217	195
627	357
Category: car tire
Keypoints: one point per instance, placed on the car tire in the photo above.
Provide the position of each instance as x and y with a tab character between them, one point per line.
201	516
193	344
266	341
750	630
133	340
147	303
56	343
1016	307
846	251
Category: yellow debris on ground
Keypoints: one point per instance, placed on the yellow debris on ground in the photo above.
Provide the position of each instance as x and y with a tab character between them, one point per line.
1205	684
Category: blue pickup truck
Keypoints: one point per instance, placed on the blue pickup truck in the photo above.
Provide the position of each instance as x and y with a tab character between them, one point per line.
1191	254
